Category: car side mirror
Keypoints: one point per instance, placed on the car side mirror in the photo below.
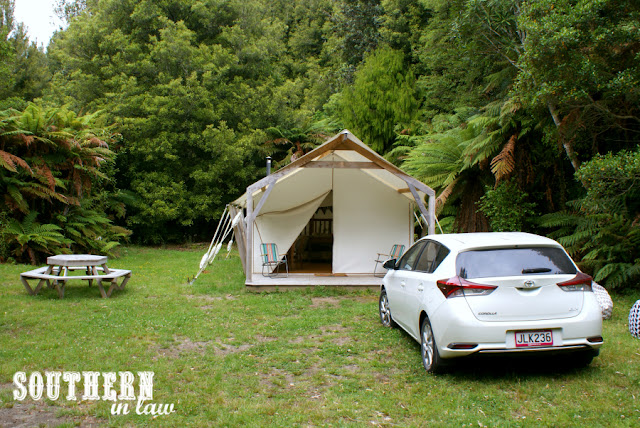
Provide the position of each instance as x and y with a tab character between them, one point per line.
390	264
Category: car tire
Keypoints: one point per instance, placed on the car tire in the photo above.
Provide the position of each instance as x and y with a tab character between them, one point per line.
428	350
385	312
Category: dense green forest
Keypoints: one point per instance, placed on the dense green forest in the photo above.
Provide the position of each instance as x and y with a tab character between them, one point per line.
142	118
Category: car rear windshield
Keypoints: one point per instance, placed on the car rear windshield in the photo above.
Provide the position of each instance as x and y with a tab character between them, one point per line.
514	262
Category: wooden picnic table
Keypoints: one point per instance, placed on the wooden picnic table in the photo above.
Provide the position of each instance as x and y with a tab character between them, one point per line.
60	269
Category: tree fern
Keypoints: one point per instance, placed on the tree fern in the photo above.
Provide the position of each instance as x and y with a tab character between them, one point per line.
53	161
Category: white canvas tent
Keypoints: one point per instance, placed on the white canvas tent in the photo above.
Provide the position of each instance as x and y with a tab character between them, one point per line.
367	202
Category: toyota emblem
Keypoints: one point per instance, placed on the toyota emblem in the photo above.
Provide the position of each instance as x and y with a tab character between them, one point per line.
529	284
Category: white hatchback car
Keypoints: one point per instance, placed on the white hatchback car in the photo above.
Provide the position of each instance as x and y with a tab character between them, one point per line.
504	292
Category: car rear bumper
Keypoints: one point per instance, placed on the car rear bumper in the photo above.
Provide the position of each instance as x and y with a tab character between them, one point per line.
456	330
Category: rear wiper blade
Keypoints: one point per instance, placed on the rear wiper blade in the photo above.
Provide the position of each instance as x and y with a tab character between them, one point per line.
536	270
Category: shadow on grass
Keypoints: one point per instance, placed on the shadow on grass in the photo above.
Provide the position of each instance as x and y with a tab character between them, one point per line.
513	366
77	291
510	367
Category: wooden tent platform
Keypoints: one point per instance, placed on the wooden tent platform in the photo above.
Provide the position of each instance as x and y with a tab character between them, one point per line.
298	280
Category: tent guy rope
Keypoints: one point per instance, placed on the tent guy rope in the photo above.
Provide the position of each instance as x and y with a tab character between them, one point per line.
225	227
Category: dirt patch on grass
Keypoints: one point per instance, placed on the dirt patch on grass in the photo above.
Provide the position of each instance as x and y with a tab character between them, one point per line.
203	297
333	329
317	302
341	340
277	378
221	348
298	339
226	349
264	339
208	299
336	333
30	413
312	382
182	345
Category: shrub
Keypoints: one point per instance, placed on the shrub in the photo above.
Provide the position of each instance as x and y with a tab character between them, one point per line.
506	207
602	229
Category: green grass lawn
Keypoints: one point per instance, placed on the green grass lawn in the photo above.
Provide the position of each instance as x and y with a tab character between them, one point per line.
225	356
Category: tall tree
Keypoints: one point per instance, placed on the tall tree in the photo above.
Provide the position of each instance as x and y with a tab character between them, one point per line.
381	100
6	52
24	72
581	63
193	84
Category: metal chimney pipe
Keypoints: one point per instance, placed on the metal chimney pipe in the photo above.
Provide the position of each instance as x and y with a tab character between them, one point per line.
268	165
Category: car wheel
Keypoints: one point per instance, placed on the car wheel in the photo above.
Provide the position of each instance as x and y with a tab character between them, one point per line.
430	356
385	312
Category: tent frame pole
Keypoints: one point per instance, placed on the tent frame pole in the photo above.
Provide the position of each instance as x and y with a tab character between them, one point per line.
249	220
428	214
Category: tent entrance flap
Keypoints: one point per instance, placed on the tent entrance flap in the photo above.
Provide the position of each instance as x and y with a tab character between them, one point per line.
312	251
282	227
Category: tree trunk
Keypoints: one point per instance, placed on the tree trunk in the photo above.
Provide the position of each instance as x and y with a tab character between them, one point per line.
566	143
568	148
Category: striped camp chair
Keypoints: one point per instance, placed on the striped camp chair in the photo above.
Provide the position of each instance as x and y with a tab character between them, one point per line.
272	260
395	253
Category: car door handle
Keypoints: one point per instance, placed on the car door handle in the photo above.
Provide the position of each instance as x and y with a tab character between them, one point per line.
402	283
420	287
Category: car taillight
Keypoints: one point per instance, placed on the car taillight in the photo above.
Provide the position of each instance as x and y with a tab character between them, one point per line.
581	282
458	287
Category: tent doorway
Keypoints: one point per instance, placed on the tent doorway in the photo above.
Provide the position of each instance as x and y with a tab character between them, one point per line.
312	251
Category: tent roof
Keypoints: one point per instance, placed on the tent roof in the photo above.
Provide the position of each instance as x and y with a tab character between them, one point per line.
343	150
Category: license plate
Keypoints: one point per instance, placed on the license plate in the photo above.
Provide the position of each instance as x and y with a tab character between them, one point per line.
534	338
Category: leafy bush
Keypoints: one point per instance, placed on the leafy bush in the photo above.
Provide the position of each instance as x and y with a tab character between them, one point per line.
506	207
602	228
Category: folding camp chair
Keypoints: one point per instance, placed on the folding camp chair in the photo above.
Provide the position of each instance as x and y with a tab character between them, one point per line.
395	253
272	260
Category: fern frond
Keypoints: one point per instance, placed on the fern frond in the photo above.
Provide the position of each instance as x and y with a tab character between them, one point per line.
11	162
504	163
444	195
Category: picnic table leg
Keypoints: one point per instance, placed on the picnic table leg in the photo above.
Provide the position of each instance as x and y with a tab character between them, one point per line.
55	281
114	284
26	285
60	287
106	271
44	281
101	288
40	282
89	271
59	284
39	286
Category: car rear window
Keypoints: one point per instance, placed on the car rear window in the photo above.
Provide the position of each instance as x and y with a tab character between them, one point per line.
514	262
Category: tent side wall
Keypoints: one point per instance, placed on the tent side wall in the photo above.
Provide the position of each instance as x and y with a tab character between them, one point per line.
369	218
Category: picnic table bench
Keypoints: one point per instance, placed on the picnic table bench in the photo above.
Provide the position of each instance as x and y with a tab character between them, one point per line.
60	269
